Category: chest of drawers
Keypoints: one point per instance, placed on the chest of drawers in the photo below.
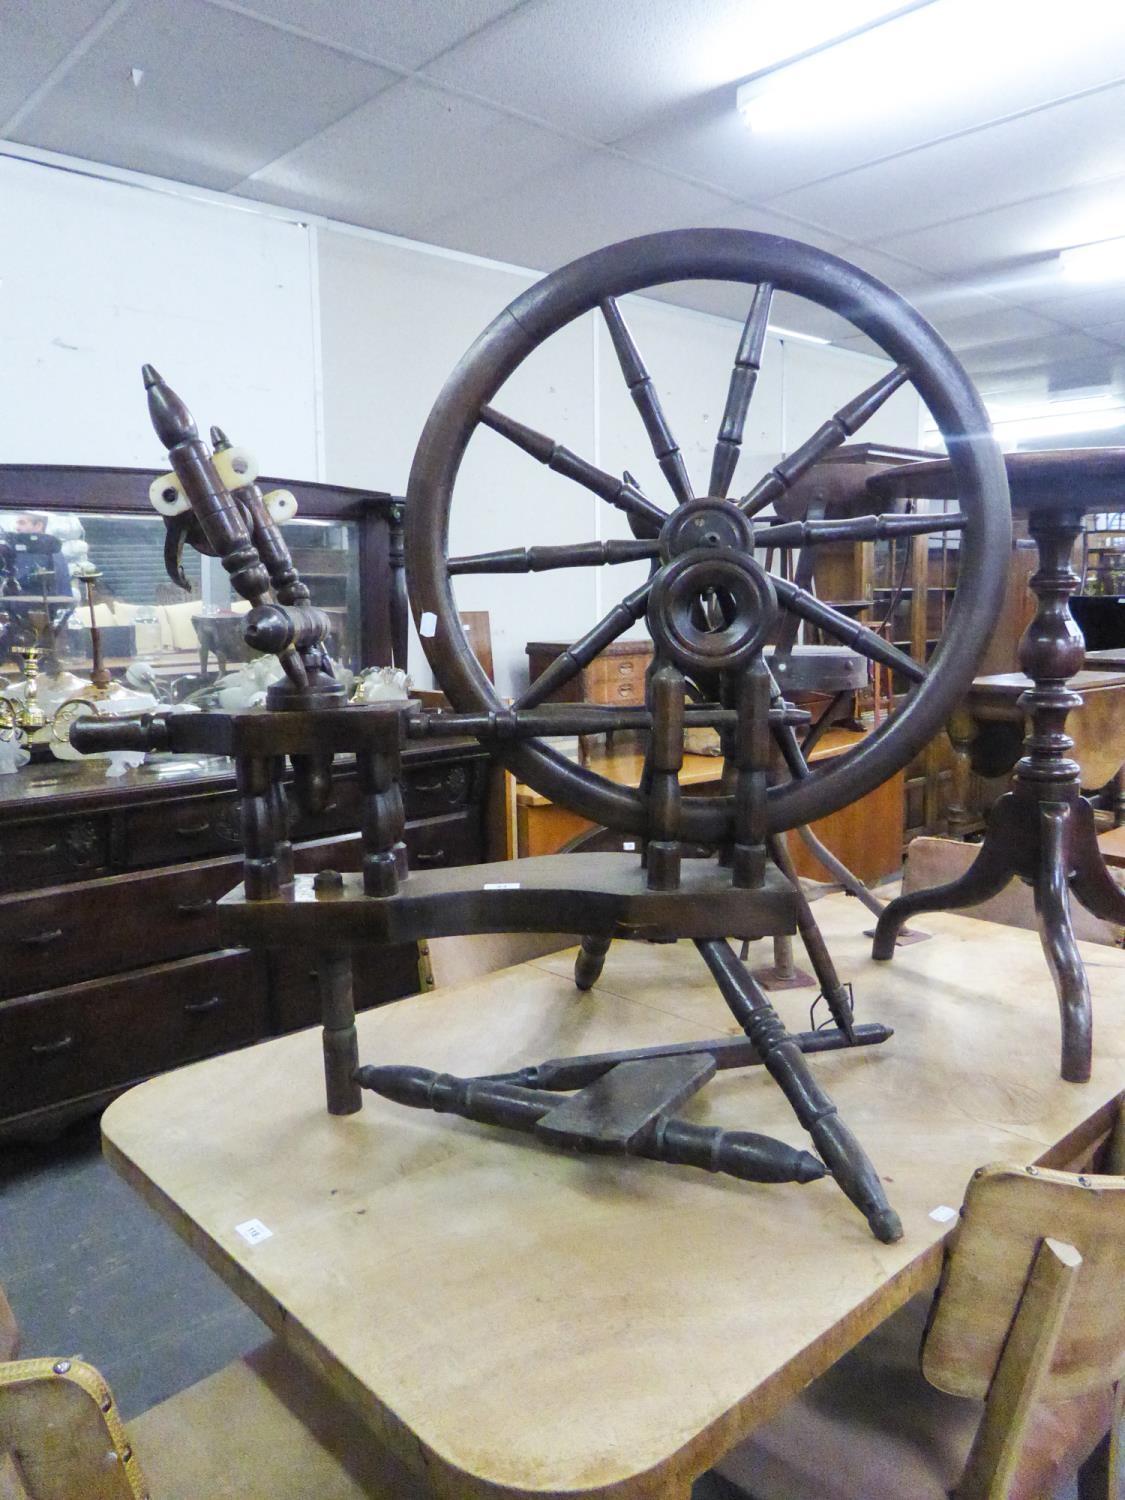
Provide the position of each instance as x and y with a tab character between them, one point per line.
110	961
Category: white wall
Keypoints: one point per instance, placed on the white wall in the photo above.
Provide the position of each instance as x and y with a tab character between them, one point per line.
322	348
100	277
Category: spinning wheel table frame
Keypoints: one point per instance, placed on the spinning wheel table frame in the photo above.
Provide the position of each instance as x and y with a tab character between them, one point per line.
709	606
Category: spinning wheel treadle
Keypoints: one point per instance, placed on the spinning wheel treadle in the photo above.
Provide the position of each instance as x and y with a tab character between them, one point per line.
710	607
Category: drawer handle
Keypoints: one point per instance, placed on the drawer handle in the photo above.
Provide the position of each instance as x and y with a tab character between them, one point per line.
195	908
429	857
52	1049
190	830
200	1007
429	786
41	939
31	851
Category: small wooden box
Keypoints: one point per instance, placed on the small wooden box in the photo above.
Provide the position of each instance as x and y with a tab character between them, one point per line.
616	676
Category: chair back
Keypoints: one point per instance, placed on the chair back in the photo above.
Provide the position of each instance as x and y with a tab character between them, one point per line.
1007	1215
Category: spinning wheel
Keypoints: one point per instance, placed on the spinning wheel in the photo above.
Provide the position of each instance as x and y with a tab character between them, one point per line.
709	605
685	579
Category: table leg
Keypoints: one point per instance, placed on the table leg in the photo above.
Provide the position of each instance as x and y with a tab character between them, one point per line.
1056	932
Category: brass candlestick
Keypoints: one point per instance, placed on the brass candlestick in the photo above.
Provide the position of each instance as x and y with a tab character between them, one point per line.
29	714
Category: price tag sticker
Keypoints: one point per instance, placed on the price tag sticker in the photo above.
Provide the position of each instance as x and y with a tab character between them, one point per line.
427	625
501	885
942	1214
253	1231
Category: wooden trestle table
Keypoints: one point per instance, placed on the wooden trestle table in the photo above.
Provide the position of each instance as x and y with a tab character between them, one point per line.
518	1322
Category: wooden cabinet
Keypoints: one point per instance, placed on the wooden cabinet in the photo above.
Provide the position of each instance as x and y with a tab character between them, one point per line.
617	675
110	964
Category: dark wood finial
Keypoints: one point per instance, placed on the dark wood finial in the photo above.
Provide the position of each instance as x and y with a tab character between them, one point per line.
171	420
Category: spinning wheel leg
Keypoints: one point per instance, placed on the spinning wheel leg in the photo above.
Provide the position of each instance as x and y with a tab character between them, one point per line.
841	1151
1056	932
590	961
987	876
836	996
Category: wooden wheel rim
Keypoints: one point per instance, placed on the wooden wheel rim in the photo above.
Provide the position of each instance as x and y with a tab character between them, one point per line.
751	258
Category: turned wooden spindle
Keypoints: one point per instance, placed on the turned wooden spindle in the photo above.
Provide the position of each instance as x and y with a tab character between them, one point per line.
261	867
666	703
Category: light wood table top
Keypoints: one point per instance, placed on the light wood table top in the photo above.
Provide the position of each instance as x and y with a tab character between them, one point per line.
526	1323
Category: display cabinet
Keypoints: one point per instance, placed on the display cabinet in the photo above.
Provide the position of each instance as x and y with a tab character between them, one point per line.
110	961
347	544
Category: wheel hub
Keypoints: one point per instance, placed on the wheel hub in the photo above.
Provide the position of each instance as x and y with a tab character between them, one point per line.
705	523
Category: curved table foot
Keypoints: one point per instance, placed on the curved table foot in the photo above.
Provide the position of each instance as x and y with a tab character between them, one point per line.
987	876
1056	932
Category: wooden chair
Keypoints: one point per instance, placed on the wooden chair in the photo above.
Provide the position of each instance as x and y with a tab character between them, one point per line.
934	861
1022	1358
264	1426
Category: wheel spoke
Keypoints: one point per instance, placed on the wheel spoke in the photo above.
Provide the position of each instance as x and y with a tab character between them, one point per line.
569	663
849	632
857	529
647	402
618	492
539	559
743	378
842	424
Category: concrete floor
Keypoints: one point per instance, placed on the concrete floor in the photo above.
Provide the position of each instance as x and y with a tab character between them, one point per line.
89	1269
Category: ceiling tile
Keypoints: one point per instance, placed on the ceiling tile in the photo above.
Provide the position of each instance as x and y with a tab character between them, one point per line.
868	98
1055	148
599	199
405	35
413	154
987	246
1033	353
1078	306
221	95
606	70
1002	326
36	38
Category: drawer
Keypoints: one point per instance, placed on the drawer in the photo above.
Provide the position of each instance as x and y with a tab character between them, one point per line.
379	975
605	683
52	851
435	842
431	842
187	828
427	792
74	1041
430	791
67	933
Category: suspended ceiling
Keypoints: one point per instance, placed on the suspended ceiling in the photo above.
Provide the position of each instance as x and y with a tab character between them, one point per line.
952	150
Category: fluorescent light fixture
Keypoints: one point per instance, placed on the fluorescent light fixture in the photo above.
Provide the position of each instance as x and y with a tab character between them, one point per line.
791	333
1103	261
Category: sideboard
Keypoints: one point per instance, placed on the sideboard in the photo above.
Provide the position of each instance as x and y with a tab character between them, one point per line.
110	962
